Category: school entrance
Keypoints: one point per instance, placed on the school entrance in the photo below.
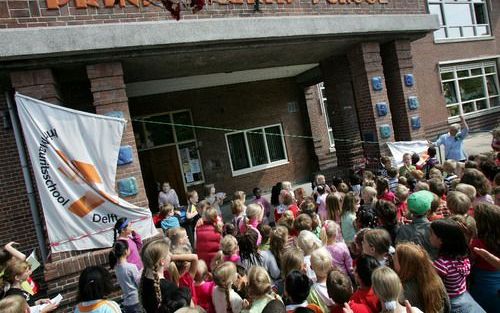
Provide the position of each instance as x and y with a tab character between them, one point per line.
168	152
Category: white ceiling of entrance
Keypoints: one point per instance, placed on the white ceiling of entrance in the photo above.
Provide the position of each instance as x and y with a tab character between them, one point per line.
211	80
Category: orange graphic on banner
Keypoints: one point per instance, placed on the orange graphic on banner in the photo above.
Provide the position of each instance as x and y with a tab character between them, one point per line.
86	204
88	171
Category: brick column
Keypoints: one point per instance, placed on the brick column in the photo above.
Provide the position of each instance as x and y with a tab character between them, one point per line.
341	110
401	88
366	66
108	89
39	84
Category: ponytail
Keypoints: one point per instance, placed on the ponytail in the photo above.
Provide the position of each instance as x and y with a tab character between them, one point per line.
119	250
217	260
229	308
174	273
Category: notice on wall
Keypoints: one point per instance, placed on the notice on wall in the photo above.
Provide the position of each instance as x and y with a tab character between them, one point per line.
195	166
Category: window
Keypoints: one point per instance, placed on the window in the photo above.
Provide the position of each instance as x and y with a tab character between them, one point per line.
256	149
470	87
460	18
323	102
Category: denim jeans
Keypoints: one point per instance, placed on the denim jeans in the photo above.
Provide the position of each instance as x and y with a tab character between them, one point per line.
464	303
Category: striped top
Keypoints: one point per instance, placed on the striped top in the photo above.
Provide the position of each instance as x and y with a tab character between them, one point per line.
454	273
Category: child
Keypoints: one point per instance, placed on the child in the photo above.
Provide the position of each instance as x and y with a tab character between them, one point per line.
383	192
253	218
262	202
338	250
387	287
433	214
15	273
365	265
321	264
292	259
376	243
227	253
393	179
184	268
94	285
299	196
385	164
8	254
192	215
453	264
308	242
124	231
204	288
348	217
430	163
168	195
127	276
401	194
155	290
170	220
339	288
422	286
449	167
486	278
259	289
321	202
407	167
387	217
178	237
458	203
249	250
208	235
333	208
277	243
438	187
213	199
224	298
238	209
157	218
265	230
297	290
302	222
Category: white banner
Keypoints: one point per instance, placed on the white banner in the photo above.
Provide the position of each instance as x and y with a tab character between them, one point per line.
399	148
74	156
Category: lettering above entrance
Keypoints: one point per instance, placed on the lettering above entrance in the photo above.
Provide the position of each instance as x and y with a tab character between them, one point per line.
82	4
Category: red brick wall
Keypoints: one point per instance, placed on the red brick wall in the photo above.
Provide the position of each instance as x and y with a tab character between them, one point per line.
34	13
427	54
241	106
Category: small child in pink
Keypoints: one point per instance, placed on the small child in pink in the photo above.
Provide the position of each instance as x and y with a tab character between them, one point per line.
203	287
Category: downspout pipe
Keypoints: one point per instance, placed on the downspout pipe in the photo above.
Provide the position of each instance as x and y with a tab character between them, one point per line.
27	178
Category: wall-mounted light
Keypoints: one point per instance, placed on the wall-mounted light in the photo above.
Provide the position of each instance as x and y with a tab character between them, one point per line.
6	124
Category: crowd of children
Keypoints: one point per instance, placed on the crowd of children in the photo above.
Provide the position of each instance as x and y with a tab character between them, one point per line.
421	238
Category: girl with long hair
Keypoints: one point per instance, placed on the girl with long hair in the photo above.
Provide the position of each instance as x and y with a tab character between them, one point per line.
422	286
224	298
123	231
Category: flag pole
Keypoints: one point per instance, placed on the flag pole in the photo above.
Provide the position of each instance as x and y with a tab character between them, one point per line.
27	179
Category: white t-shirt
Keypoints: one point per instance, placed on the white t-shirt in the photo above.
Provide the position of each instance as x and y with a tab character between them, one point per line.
220	302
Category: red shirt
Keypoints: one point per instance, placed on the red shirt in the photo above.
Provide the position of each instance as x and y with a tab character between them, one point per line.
355	307
388	196
480	263
186	280
204	294
368	298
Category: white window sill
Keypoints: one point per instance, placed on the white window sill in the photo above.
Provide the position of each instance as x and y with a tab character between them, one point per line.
456	119
332	149
463	39
259	168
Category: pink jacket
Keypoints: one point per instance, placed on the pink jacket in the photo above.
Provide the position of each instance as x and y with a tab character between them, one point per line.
207	242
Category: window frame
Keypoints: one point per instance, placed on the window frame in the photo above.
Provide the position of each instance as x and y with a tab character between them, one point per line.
445	28
261	167
322	99
458	67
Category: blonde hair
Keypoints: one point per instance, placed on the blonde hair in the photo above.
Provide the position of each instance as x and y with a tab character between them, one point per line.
386	285
308	242
229	246
14	304
329	230
349	203
370	191
210	215
178	267
238	206
239	195
449	166
259	282
469	190
224	277
166	209
292	259
435	173
277	242
379	239
286	220
402	193
201	271
321	262
286	185
175	235
151	256
254	211
320	179
458	202
14	268
333	206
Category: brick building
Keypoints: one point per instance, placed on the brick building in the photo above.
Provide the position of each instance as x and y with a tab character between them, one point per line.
248	82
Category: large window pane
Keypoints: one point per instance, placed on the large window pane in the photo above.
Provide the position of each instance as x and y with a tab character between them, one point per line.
492	85
457	14
436	9
480	12
494	101
471	88
275	143
158	131
450	94
183	133
447	75
238	151
257	147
